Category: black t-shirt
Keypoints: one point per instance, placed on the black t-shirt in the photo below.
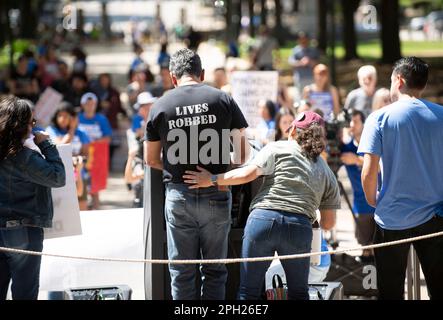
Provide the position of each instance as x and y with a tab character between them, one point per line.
193	123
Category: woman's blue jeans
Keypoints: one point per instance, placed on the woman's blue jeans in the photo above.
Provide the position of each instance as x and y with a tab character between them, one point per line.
268	231
22	269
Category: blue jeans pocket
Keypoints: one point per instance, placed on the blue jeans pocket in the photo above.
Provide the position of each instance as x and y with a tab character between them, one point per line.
258	229
300	235
175	206
221	210
15	237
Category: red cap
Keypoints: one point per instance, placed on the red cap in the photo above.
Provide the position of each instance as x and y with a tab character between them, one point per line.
306	118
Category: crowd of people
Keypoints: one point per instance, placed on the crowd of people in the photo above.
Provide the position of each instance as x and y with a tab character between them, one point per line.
392	198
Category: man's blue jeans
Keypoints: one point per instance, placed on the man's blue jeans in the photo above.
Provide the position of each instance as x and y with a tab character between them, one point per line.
197	226
23	270
268	231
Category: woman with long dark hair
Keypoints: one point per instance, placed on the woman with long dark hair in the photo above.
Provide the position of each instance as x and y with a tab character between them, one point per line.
297	182
26	179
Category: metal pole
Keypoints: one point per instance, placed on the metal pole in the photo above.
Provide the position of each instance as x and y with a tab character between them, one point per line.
417	284
409	276
413	276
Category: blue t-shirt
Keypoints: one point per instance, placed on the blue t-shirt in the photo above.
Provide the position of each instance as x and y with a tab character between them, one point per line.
95	128
137	122
325	260
408	135
80	138
360	206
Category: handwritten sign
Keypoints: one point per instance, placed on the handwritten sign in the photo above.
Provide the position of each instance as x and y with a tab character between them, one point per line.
46	106
66	221
249	87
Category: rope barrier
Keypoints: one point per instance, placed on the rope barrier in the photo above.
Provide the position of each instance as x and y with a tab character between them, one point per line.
225	261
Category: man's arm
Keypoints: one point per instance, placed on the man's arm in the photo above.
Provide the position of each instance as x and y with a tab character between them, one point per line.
369	175
202	178
152	154
242	149
328	218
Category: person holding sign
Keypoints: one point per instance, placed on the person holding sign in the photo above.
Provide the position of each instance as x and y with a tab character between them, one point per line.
97	128
297	183
64	130
26	179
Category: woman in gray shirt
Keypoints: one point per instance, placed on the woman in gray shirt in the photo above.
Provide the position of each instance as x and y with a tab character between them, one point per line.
297	182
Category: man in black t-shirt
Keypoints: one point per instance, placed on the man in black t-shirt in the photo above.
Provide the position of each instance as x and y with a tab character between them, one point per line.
193	126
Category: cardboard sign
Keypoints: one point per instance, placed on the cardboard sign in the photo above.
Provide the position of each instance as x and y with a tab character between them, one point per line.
66	221
98	165
46	106
249	87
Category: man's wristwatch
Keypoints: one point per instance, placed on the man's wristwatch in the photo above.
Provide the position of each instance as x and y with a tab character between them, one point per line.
214	180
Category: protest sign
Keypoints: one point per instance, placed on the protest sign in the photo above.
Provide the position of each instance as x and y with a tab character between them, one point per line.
98	165
66	221
46	106
249	87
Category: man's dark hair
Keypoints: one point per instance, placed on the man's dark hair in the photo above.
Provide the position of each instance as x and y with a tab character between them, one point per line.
185	62
413	70
359	113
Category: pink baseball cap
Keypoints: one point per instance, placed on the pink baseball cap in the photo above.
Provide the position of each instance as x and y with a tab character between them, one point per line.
305	119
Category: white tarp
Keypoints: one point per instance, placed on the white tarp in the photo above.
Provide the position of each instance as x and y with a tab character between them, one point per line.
106	233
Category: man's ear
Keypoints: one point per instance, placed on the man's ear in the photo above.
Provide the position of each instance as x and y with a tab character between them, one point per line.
401	82
174	79
202	75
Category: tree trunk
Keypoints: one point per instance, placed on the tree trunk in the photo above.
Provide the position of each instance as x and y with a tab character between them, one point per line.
3	23
28	23
322	35
237	11
278	25
263	13
390	39
349	36
251	18
228	20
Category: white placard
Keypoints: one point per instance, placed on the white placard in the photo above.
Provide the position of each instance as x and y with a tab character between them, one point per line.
249	87
66	221
46	106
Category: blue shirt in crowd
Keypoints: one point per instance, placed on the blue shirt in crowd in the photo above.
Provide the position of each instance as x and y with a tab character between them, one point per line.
80	138
137	122
360	206
95	128
408	135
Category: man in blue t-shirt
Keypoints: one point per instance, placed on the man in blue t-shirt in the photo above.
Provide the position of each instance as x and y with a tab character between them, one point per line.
408	136
364	213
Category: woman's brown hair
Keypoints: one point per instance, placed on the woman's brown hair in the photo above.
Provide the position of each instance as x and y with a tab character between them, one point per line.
312	141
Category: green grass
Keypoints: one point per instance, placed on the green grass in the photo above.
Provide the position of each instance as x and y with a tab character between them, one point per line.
20	45
371	50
